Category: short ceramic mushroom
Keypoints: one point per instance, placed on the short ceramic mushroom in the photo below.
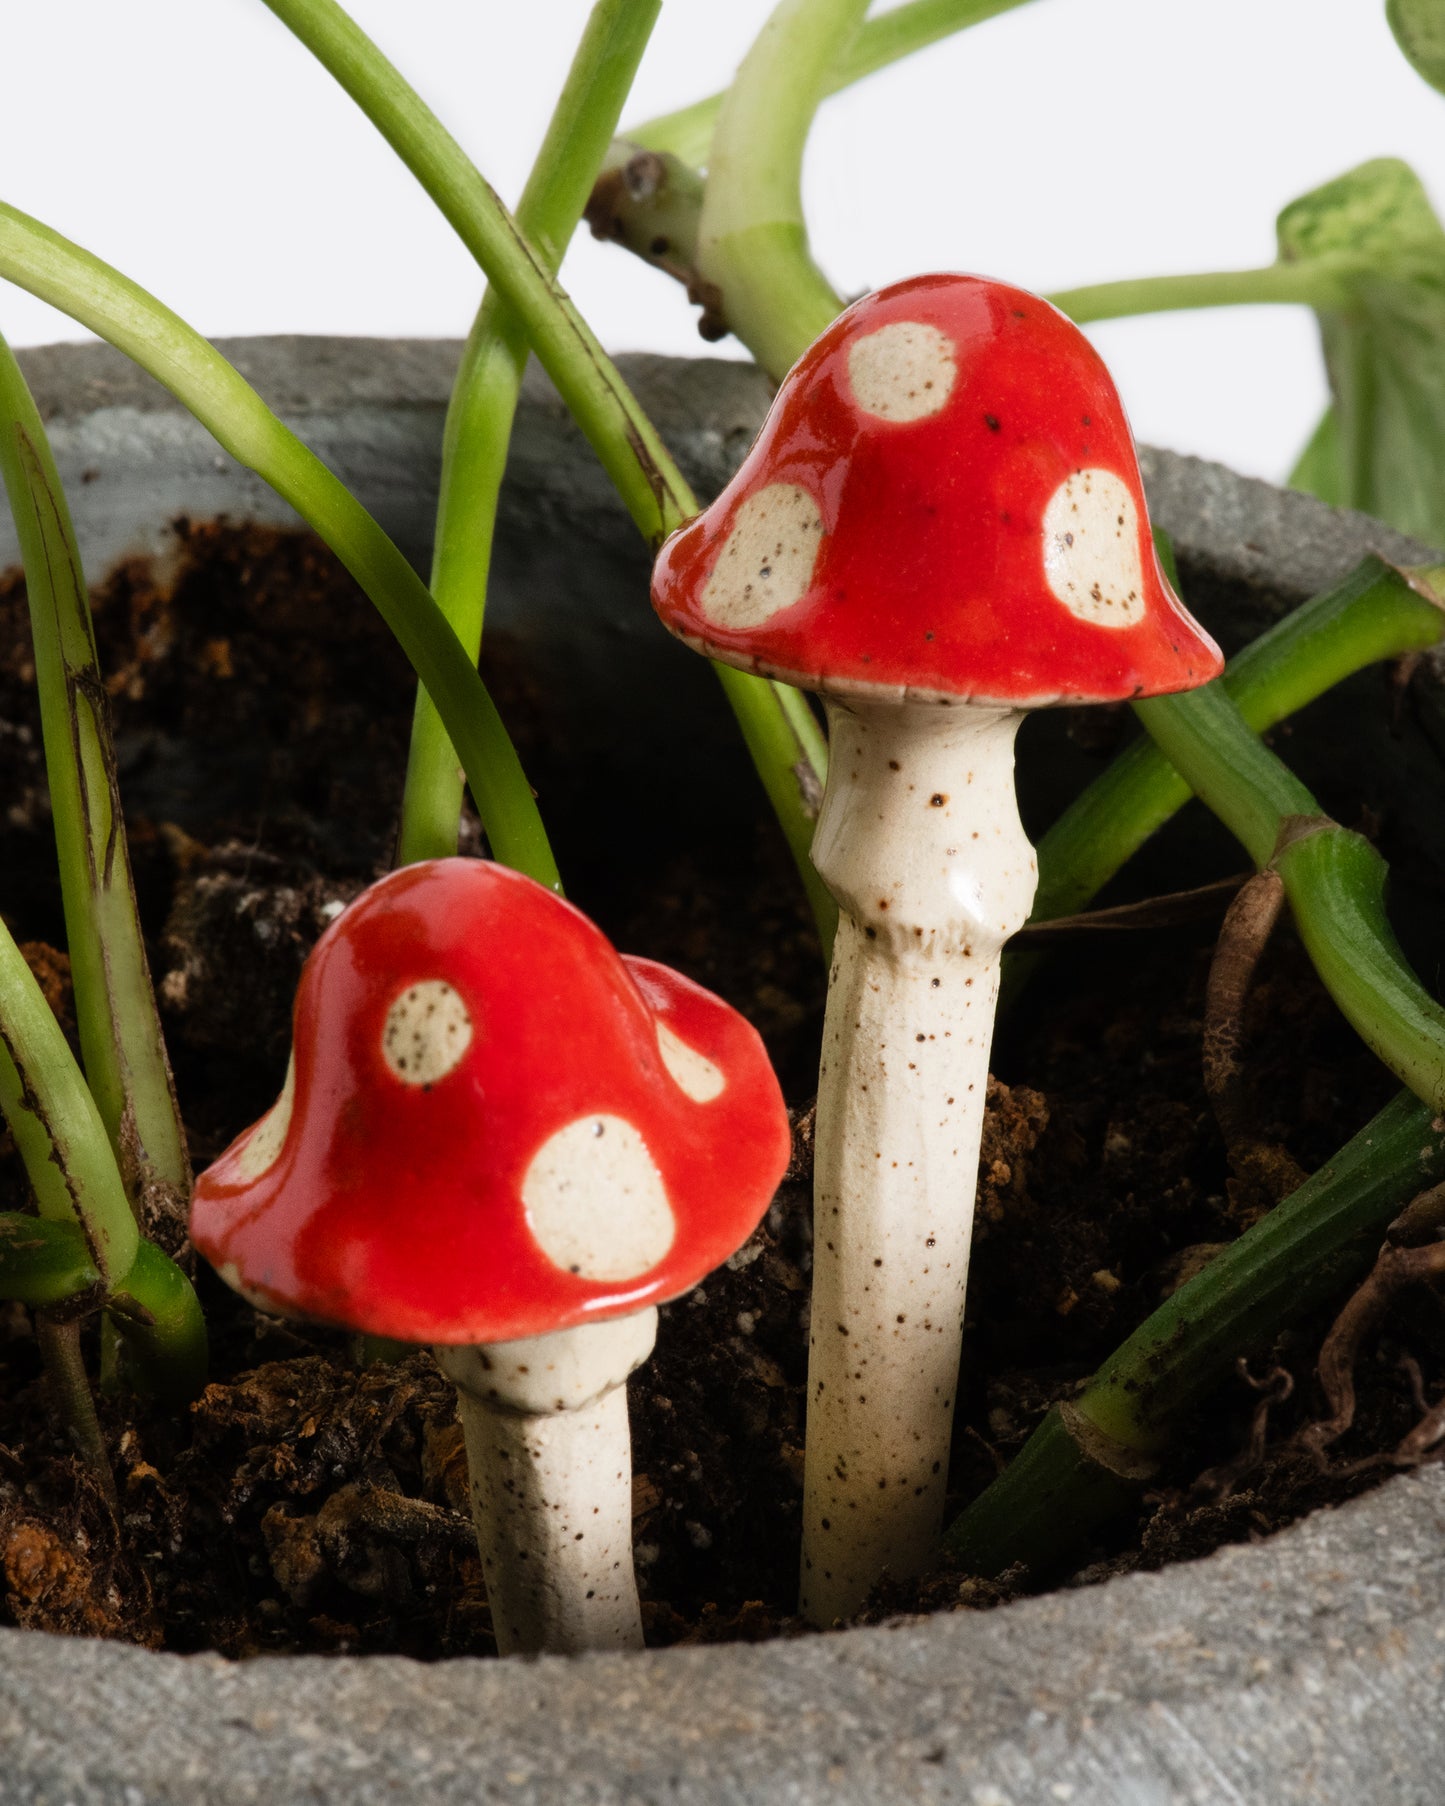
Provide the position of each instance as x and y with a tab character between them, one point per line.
941	525
499	1136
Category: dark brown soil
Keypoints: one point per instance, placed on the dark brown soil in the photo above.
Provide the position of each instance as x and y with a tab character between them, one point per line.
304	1503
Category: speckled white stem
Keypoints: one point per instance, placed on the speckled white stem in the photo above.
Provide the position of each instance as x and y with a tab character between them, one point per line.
919	840
550	1461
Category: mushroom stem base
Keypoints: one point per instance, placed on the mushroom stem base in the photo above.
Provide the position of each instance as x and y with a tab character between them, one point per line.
552	1487
919	839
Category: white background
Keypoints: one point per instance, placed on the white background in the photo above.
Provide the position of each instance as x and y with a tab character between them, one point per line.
196	145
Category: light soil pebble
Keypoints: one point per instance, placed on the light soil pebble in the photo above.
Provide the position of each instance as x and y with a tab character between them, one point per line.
767	560
919	840
550	1460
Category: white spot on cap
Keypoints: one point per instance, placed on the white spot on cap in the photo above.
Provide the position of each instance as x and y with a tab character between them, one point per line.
694	1074
595	1203
428	1029
1091	549
263	1150
767	562
902	372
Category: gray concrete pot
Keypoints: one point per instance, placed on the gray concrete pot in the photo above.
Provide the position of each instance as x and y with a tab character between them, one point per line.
1307	1668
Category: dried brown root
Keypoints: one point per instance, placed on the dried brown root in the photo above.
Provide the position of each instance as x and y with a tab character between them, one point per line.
1263	1171
1275	1388
1406	1259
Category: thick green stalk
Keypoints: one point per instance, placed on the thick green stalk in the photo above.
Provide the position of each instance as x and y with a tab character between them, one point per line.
1322	283
484	395
56	1126
37	259
897	33
1376	613
120	1031
71	1403
752	243
1334	879
83	1250
1085	1464
45	1262
163	1344
1207	741
627	445
1335	882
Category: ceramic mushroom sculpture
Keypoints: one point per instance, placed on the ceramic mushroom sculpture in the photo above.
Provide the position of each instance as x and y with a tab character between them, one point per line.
499	1136
940	526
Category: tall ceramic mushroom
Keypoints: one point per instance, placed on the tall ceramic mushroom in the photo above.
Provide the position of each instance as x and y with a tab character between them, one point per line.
941	525
499	1136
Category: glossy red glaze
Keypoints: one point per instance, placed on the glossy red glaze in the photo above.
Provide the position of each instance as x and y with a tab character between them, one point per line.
930	576
396	1209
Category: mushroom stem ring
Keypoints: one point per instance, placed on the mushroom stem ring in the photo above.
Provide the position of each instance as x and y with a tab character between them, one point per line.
920	842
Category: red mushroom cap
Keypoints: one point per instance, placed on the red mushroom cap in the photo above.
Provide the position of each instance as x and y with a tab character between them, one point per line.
494	1126
944	503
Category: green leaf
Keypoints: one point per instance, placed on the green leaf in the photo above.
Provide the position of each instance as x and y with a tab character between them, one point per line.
1384	342
120	1032
1377	209
1419	28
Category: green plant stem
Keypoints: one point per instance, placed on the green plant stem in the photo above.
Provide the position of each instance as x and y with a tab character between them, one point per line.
897	33
782	742
1334	879
752	244
120	1032
85	1239
70	1397
650	203
484	395
1207	741
1318	284
44	1262
90	291
56	1126
1376	613
627	445
161	1327
1066	1482
619	432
